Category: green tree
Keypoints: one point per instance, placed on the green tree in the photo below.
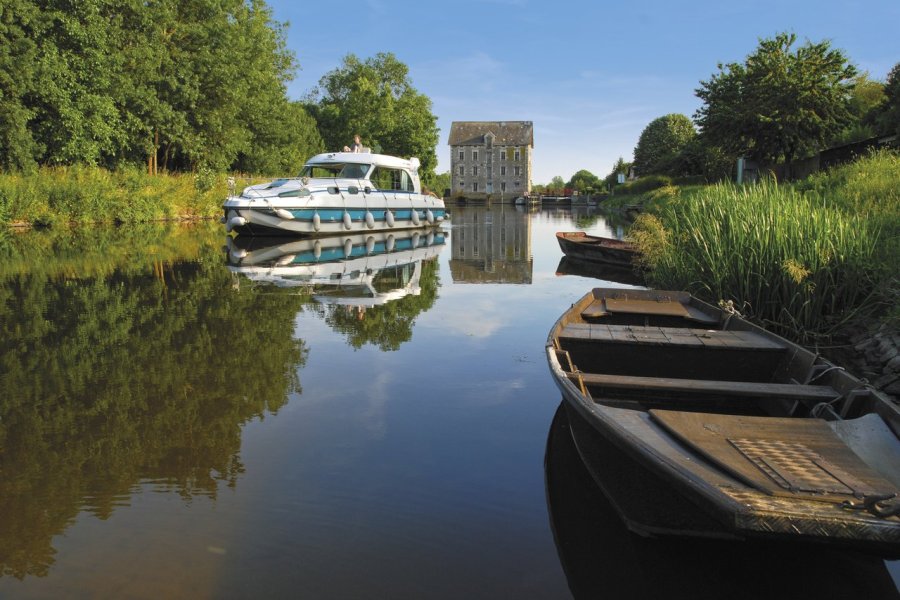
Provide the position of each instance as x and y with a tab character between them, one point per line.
660	143
620	167
584	181
375	99
888	118
780	103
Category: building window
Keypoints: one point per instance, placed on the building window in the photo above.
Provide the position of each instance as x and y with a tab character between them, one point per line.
502	186
475	187
503	155
517	170
462	155
462	170
503	170
474	154
518	185
462	184
475	171
517	156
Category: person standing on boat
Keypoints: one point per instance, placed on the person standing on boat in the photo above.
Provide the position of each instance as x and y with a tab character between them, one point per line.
356	146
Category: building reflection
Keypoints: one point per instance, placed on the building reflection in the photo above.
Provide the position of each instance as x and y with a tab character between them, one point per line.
491	244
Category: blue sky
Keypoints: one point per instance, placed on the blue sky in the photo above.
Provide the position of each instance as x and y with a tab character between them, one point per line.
590	75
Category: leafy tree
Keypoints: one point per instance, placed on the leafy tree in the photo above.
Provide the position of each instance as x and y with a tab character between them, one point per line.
660	142
780	103
620	166
888	119
556	184
375	99
584	181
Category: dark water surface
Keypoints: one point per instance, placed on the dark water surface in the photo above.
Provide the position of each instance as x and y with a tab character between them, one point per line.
171	427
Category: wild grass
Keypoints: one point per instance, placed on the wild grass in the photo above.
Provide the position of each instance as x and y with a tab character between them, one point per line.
790	259
82	194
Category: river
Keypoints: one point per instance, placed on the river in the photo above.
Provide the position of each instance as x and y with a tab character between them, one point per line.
183	418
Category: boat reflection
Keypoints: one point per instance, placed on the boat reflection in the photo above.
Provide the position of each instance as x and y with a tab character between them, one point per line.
601	558
360	270
584	268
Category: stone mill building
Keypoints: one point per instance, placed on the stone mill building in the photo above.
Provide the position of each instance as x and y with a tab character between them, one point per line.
491	159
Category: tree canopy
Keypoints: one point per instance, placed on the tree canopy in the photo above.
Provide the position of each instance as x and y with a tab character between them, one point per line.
375	99
584	181
175	84
780	103
660	143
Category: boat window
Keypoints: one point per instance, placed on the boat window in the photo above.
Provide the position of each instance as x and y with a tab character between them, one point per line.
386	178
344	170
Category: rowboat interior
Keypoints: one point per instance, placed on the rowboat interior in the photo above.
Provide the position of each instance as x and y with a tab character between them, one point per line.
728	405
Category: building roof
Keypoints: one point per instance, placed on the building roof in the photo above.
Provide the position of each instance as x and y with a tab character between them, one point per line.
506	133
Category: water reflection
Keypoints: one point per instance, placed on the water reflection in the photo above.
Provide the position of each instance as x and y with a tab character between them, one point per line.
601	558
491	245
370	287
119	371
585	268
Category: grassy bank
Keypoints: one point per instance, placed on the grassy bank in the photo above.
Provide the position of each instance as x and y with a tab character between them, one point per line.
62	195
804	259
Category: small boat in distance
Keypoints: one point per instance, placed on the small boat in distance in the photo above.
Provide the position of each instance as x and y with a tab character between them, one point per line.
696	422
337	192
577	244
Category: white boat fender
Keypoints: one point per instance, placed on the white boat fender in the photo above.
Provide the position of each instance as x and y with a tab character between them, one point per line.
348	247
284	214
238	253
348	222
415	239
285	260
389	245
235	222
389	217
429	239
429	216
415	217
370	244
317	248
370	220
317	222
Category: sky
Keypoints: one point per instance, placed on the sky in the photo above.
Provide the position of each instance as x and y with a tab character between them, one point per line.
589	74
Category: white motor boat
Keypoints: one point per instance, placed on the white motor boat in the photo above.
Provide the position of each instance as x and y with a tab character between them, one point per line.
338	192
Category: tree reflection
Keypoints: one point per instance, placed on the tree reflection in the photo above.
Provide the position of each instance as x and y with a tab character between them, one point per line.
123	374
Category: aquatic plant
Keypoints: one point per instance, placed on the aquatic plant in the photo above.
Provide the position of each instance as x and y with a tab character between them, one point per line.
786	258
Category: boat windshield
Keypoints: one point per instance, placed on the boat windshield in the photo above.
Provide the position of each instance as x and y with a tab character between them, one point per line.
339	170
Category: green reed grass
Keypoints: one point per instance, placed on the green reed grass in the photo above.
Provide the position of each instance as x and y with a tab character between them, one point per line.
81	194
787	258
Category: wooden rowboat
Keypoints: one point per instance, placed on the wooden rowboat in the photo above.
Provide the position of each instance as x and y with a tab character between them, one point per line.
580	245
696	422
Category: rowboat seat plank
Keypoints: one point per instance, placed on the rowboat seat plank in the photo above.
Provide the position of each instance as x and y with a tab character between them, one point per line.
790	391
668	307
674	337
779	456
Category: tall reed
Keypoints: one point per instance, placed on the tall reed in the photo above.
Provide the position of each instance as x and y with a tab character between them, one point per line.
83	194
785	258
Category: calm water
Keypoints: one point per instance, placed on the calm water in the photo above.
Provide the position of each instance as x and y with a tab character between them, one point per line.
178	420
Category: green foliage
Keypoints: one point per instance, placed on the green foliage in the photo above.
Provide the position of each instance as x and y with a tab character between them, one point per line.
661	142
585	182
887	117
123	363
178	84
436	183
60	195
375	99
779	104
620	166
642	185
788	260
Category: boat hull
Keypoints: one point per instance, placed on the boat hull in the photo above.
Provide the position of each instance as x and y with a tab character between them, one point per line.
666	479
596	249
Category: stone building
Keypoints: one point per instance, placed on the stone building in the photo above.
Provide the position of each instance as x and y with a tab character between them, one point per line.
491	159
